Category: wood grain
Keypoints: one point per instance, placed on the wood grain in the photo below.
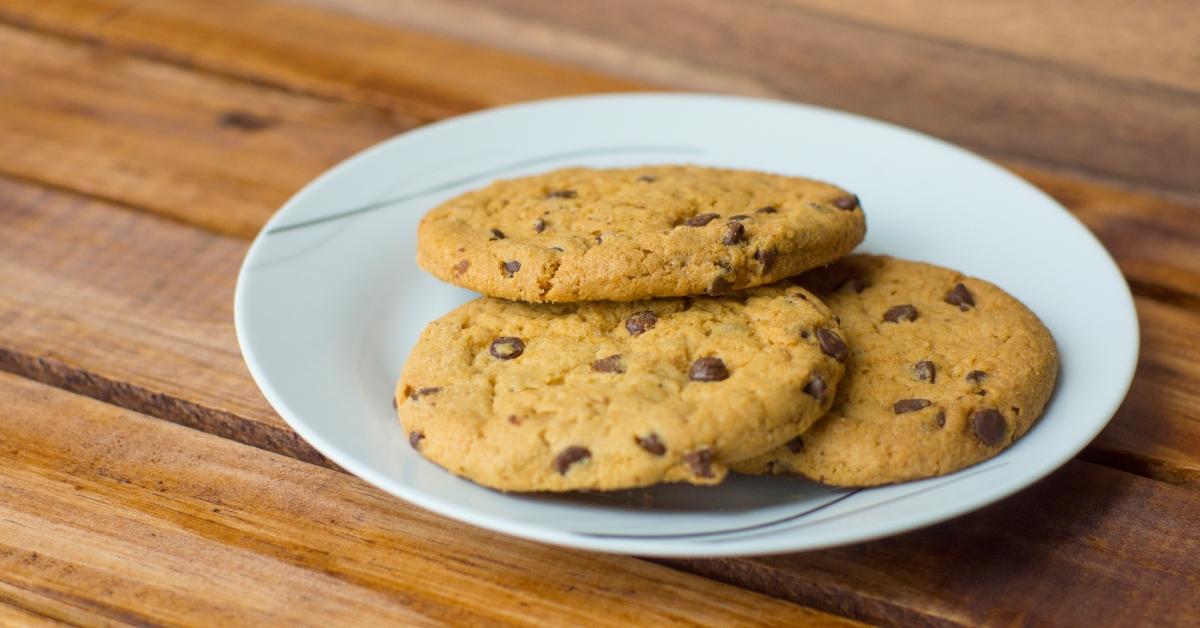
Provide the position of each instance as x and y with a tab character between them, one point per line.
220	153
1088	546
130	309
314	51
137	311
1102	90
107	516
13	616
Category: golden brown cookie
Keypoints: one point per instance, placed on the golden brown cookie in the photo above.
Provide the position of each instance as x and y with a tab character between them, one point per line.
944	371
605	395
582	234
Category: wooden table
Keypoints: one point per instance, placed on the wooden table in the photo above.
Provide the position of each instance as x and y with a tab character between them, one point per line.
144	479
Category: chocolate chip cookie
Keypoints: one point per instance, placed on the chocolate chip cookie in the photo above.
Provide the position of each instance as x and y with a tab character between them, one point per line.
583	234
608	395
943	371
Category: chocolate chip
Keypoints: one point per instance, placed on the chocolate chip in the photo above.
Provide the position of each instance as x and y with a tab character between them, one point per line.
1016	410
708	369
700	220
415	438
511	267
562	194
640	323
976	377
989	426
766	258
497	235
611	364
461	266
506	348
651	444
514	419
832	344
815	388
925	371
910	405
700	461
960	296
646	179
941	418
766	210
423	392
539	225
857	282
568	457
720	285
599	239
796	445
739	217
900	313
846	203
804	334
395	406
734	232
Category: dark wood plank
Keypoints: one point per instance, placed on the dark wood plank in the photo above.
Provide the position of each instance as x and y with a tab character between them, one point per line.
137	311
1109	90
107	516
1088	546
216	152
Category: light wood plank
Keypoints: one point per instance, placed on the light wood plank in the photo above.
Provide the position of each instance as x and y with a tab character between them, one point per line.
1019	100
220	153
1088	546
1141	42
111	516
316	51
14	616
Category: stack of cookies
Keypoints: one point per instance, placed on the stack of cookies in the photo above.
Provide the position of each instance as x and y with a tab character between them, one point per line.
674	323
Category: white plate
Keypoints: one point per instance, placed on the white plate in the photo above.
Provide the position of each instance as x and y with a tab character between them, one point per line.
329	303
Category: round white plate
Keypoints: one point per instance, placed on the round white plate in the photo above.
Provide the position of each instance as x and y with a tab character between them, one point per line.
329	303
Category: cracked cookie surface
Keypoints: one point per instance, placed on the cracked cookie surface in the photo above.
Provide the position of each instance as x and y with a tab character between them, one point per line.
582	234
608	395
943	371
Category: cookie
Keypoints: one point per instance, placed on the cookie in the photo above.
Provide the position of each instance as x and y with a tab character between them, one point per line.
944	371
608	395
583	234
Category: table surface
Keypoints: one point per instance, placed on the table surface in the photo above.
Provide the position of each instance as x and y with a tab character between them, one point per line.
145	480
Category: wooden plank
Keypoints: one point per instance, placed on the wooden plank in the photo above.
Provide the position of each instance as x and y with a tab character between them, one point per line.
131	309
1125	105
1156	431
220	153
108	515
315	51
13	616
1088	546
1139	43
137	311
